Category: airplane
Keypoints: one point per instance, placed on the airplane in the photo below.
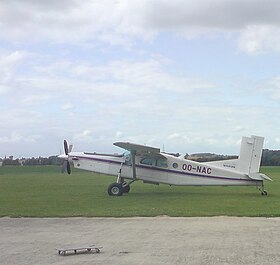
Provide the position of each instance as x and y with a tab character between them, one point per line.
150	165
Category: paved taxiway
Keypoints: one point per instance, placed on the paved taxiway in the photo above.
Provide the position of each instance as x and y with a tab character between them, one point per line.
159	240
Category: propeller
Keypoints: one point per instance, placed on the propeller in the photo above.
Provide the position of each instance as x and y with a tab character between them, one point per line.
66	167
66	163
66	148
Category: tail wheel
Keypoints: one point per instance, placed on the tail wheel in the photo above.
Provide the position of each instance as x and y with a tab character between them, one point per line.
115	189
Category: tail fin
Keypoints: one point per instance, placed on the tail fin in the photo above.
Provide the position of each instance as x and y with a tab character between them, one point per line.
250	154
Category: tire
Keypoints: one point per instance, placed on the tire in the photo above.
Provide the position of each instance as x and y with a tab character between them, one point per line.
97	250
115	189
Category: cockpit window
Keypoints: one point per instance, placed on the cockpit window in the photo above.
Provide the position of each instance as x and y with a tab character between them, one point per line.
161	163
127	157
147	161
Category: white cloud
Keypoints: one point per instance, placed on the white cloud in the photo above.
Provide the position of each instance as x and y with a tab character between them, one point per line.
129	84
256	39
139	101
9	61
124	22
119	135
17	138
13	138
4	89
53	89
67	106
277	140
84	136
12	58
174	136
72	21
270	88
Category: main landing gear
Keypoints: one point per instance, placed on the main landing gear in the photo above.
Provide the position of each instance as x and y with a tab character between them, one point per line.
120	187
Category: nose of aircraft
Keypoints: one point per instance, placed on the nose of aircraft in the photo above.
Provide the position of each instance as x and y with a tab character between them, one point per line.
63	156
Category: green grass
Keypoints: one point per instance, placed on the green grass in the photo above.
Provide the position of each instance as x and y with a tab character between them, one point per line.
45	192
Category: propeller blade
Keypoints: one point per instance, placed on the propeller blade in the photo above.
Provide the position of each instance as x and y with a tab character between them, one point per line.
64	166
66	149
68	167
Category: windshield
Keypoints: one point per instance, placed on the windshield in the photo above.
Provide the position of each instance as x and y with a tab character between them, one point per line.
127	157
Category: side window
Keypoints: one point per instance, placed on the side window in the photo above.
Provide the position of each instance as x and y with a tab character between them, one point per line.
147	161
162	163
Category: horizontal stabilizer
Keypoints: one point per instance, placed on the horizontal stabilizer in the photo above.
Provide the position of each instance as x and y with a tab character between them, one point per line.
258	176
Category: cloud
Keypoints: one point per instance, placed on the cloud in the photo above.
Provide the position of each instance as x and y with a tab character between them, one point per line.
206	14
16	137
71	21
125	22
256	39
111	69
128	84
119	135
9	62
11	59
84	136
270	88
67	106
13	138
4	89
118	94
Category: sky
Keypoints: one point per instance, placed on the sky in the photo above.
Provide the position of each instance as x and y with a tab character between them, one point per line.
185	76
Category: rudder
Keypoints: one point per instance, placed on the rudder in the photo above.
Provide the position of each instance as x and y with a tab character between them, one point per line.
250	154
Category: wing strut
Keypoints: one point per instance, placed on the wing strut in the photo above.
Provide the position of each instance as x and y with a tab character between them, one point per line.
133	153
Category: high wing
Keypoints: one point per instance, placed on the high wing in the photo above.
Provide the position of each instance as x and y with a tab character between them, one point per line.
139	149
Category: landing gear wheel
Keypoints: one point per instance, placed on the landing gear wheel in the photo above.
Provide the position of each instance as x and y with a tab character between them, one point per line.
264	193
97	250
115	189
126	189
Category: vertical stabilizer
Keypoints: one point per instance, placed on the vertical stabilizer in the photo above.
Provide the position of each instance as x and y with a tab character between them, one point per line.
250	154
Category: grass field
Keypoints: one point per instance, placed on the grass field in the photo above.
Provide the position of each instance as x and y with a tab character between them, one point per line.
45	192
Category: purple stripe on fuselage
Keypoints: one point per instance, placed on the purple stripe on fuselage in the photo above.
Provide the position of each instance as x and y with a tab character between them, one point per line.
165	170
99	159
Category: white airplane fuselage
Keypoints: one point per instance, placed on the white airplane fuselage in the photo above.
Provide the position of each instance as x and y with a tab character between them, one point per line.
148	164
172	170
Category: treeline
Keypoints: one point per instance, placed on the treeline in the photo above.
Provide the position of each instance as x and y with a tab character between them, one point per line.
209	157
38	161
269	158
